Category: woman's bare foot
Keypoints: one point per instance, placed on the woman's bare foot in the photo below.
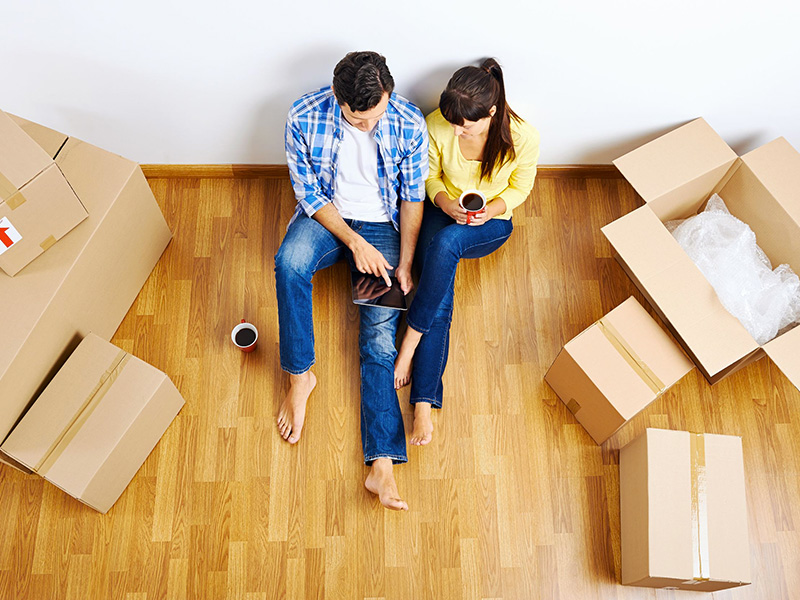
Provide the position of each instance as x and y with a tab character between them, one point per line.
423	425
402	364
292	412
380	482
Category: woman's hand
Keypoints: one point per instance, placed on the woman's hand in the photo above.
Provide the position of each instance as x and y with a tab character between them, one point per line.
494	207
452	209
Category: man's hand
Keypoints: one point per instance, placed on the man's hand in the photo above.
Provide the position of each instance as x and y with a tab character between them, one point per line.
368	259
403	274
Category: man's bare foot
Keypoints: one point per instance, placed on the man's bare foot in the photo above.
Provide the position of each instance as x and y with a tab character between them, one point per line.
402	364
292	412
423	425
380	482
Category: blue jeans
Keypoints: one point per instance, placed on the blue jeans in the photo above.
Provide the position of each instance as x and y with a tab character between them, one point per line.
442	244
307	248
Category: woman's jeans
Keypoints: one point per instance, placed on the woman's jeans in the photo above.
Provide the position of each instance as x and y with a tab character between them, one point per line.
442	243
307	248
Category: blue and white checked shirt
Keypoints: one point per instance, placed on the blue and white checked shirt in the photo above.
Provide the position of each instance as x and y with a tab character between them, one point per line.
314	134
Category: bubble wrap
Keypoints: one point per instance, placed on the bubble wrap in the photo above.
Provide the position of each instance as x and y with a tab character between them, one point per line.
724	248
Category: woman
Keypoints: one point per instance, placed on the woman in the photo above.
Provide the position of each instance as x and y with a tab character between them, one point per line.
476	142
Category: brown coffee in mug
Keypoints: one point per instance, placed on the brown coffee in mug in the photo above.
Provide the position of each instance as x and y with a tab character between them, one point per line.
474	202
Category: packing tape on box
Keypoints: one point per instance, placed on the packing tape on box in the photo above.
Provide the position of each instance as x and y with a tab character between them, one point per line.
697	449
7	189
48	241
83	413
637	364
15	201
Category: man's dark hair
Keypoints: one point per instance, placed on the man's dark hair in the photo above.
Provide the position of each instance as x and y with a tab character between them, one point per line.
360	80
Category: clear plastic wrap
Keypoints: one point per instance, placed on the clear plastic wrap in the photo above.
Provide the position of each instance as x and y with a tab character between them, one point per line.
765	301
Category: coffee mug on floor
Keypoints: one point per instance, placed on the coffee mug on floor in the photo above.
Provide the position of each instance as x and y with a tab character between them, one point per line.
474	202
244	335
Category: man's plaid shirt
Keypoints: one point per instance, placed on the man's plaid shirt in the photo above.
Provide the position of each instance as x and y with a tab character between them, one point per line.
313	138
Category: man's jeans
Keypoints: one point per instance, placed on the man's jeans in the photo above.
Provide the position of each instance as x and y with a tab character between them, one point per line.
442	243
307	248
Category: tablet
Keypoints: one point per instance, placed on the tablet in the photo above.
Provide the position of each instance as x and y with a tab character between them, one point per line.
369	290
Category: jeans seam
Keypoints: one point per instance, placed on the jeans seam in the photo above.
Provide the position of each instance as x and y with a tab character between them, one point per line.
322	257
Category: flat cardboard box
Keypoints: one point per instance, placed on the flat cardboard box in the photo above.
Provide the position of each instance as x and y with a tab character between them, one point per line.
675	175
683	512
615	368
86	282
42	212
96	423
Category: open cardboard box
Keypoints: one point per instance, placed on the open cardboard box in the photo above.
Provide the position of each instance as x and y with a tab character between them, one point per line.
87	281
675	175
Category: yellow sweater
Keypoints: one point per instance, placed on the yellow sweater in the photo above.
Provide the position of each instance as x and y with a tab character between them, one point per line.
451	173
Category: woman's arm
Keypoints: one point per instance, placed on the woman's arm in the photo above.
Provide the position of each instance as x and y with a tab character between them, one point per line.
520	183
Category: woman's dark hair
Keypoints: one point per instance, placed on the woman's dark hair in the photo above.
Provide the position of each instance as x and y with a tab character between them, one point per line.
360	80
469	96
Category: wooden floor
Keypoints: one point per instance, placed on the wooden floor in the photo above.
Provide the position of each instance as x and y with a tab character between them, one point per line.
512	499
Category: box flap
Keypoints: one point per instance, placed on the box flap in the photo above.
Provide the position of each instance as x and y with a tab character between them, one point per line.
650	342
669	494
777	165
50	140
680	293
728	543
21	159
679	168
784	351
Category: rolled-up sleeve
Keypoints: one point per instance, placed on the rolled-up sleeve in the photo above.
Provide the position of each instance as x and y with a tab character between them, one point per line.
413	169
306	186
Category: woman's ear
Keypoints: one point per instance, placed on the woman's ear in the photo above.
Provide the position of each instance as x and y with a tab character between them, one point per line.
492	110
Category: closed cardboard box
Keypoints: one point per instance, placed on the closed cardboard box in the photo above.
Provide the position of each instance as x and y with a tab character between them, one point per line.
33	219
683	512
37	205
675	175
84	283
96	423
615	368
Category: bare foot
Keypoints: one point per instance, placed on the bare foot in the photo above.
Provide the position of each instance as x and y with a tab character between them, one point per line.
423	426
380	482
292	412
402	364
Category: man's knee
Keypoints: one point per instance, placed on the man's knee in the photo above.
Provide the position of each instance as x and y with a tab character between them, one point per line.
378	333
294	260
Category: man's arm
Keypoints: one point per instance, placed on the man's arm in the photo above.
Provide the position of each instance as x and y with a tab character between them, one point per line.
410	222
367	257
413	172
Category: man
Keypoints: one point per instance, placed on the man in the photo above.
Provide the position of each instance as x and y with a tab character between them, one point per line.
358	159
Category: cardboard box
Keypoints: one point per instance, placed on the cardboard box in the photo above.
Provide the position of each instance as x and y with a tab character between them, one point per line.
42	212
615	368
96	423
683	512
37	205
86	282
676	174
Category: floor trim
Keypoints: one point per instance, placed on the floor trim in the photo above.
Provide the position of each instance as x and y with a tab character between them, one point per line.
282	171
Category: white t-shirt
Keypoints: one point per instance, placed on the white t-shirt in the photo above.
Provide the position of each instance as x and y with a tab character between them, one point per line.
358	193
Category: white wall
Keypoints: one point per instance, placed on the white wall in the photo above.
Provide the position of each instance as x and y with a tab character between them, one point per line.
194	82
